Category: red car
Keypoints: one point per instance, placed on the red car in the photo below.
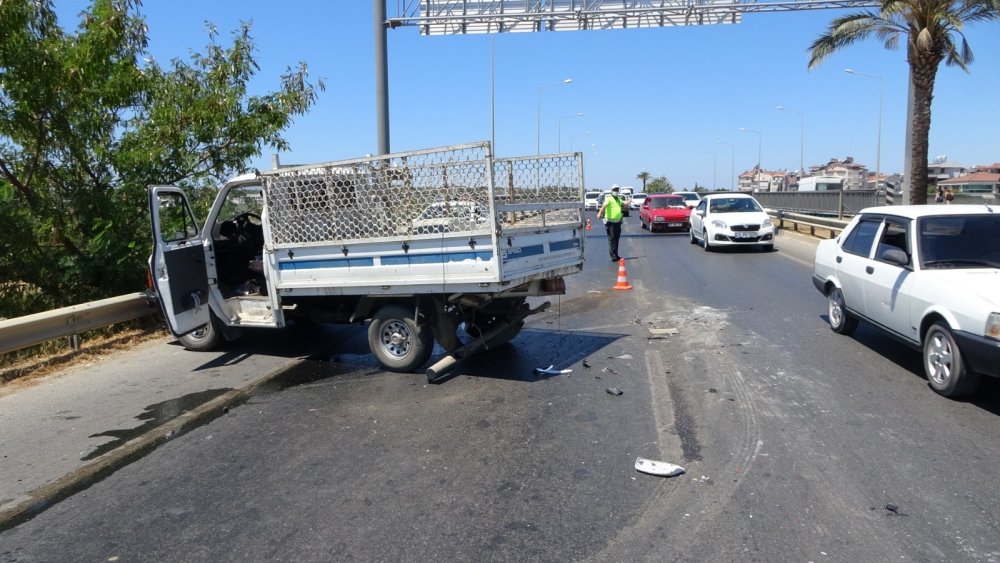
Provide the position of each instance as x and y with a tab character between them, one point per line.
665	212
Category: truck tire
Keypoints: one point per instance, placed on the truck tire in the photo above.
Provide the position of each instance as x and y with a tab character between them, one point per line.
205	338
399	343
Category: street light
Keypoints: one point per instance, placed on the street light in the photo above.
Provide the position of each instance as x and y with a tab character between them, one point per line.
715	169
560	127
802	136
538	114
573	138
732	162
759	136
878	142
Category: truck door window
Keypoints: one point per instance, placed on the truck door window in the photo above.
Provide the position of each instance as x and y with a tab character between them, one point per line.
176	221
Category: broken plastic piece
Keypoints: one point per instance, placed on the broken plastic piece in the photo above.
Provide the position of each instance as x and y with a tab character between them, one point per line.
661	331
550	371
622	357
660	468
586	364
614	391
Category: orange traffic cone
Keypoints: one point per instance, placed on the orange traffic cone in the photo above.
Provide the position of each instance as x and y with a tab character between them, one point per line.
588	224
622	276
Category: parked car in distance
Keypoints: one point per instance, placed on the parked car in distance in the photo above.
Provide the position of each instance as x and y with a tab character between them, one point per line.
691	198
590	200
451	216
625	201
731	219
664	212
926	275
637	200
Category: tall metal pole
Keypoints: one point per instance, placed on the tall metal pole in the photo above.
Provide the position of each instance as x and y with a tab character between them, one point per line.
802	136
538	114
759	138
732	163
560	127
493	129
878	136
715	169
381	78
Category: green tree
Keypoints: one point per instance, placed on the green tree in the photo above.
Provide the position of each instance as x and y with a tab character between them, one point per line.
932	30
88	120
659	185
644	176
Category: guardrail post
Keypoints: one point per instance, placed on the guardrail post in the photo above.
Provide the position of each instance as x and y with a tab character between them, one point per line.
840	205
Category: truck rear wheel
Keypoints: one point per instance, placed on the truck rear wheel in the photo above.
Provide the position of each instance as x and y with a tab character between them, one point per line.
204	338
398	342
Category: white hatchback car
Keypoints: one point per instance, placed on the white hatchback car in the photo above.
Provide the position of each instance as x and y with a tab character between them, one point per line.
731	219
927	275
690	198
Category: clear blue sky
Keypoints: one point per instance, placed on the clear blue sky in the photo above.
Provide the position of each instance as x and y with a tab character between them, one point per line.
655	100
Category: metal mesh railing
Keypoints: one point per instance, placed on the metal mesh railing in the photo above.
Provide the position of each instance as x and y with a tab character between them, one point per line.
546	190
419	193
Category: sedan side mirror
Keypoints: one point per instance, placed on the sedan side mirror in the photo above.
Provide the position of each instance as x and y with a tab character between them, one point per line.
896	256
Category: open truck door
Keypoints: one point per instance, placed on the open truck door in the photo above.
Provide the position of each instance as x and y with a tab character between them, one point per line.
178	262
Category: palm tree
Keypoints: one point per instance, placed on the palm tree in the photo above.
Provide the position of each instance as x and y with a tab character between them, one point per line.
644	176
933	33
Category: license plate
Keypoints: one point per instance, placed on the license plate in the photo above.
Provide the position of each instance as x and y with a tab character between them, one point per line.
675	224
744	235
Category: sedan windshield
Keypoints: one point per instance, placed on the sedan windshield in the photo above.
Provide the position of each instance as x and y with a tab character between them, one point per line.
733	205
960	241
665	202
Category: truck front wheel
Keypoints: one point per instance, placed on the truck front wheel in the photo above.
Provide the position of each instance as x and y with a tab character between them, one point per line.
398	342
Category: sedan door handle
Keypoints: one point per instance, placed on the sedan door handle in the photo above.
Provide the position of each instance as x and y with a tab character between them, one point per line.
870	269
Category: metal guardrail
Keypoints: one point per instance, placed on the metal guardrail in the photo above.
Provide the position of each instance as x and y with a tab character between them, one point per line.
73	320
839	202
69	321
811	222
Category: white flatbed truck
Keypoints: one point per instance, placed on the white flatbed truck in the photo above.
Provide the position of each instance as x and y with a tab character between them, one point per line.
420	244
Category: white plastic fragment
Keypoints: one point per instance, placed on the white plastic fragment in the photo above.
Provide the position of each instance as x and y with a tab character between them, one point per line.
660	331
659	468
550	371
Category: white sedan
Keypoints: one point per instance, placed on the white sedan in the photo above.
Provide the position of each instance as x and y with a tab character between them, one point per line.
927	275
731	219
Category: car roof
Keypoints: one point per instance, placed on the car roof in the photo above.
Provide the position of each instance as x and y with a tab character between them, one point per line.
727	194
662	195
915	211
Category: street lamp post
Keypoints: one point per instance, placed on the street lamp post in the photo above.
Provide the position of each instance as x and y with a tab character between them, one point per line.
560	127
732	162
802	136
715	169
573	138
759	136
878	141
538	114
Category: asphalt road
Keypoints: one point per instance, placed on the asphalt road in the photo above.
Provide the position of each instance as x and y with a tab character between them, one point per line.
798	444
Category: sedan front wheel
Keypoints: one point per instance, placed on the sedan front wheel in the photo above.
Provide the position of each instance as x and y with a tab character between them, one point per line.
841	321
944	365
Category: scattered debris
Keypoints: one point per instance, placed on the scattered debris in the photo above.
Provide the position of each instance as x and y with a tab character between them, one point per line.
712	390
586	364
614	391
609	370
659	468
892	508
663	331
550	371
622	357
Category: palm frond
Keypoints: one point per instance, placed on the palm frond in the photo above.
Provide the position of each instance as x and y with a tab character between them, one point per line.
843	31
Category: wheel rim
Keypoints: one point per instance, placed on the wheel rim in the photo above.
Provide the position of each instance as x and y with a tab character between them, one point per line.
394	339
836	307
199	333
939	358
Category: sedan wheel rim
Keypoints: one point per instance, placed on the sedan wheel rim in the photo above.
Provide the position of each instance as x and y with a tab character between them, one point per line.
394	339
939	359
836	308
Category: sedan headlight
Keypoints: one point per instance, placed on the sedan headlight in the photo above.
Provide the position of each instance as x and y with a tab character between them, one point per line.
993	326
719	224
767	223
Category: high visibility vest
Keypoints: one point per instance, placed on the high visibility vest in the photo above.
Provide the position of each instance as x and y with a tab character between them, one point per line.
613	212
